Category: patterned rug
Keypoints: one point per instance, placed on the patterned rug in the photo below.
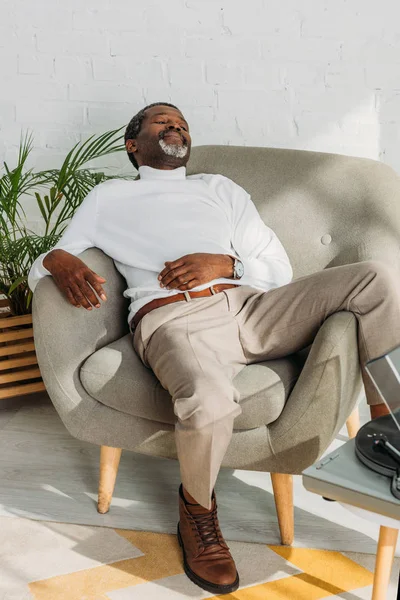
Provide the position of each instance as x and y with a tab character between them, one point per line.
55	546
51	561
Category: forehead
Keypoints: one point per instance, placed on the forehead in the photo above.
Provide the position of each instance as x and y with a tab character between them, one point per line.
163	110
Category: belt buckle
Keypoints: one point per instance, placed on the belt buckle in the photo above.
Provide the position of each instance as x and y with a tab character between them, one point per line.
188	296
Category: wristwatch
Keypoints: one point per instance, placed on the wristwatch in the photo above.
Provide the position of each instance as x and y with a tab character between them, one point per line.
238	269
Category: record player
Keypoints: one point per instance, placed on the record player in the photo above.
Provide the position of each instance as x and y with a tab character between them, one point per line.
377	443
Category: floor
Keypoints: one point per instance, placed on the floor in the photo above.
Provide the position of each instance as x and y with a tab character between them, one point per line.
58	561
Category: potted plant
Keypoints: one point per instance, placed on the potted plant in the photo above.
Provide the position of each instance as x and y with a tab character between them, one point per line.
58	193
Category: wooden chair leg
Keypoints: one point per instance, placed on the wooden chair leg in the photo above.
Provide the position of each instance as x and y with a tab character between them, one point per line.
109	463
353	423
384	561
283	495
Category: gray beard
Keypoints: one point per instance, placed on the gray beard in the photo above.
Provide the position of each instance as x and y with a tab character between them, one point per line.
173	149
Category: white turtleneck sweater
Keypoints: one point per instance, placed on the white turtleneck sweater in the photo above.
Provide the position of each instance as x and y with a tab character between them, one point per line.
161	217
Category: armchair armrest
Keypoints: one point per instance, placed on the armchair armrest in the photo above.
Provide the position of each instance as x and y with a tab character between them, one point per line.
324	396
65	336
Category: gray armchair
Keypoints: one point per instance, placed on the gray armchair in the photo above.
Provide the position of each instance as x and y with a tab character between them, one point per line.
327	210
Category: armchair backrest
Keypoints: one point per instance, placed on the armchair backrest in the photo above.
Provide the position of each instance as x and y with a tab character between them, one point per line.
327	209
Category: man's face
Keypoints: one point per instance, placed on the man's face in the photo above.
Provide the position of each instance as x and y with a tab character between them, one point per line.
163	141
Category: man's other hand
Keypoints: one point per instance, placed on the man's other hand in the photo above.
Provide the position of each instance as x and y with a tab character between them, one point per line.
72	276
195	269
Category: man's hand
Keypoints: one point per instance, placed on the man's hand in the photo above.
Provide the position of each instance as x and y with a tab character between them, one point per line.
72	277
195	269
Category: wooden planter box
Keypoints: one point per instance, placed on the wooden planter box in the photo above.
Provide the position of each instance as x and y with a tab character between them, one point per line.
19	371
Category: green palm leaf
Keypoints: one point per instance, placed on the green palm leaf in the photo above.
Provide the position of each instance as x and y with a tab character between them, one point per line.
58	194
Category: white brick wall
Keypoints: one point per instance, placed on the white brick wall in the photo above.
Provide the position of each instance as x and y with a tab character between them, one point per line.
310	74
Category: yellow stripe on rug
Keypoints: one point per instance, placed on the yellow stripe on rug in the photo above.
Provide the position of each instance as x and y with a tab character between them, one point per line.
162	558
325	573
325	565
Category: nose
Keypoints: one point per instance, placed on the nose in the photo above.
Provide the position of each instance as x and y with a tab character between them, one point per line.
176	127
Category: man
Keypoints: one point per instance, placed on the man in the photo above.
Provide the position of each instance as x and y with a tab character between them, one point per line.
212	291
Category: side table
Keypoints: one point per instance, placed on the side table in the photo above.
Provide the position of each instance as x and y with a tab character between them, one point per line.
341	476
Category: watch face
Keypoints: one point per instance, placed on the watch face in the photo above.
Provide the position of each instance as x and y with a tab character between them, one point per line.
239	269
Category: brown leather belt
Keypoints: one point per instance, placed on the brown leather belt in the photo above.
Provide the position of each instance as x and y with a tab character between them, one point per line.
157	302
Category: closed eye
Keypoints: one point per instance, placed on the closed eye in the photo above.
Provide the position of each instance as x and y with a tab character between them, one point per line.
164	122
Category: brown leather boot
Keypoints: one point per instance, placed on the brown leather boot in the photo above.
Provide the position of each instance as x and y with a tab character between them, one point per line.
206	557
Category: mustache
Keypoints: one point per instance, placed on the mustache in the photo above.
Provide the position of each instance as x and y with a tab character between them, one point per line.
162	134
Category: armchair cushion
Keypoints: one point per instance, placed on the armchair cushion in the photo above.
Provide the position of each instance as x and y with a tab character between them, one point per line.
116	377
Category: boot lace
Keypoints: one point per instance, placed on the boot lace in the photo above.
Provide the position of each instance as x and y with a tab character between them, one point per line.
206	526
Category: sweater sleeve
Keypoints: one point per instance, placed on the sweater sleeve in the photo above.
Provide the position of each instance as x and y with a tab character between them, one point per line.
77	237
263	256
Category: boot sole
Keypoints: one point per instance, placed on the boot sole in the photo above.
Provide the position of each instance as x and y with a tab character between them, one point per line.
206	585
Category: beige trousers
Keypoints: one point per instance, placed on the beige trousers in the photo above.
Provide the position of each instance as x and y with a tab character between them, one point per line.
197	347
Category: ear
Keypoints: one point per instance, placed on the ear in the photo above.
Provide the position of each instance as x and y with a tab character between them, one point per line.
131	146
